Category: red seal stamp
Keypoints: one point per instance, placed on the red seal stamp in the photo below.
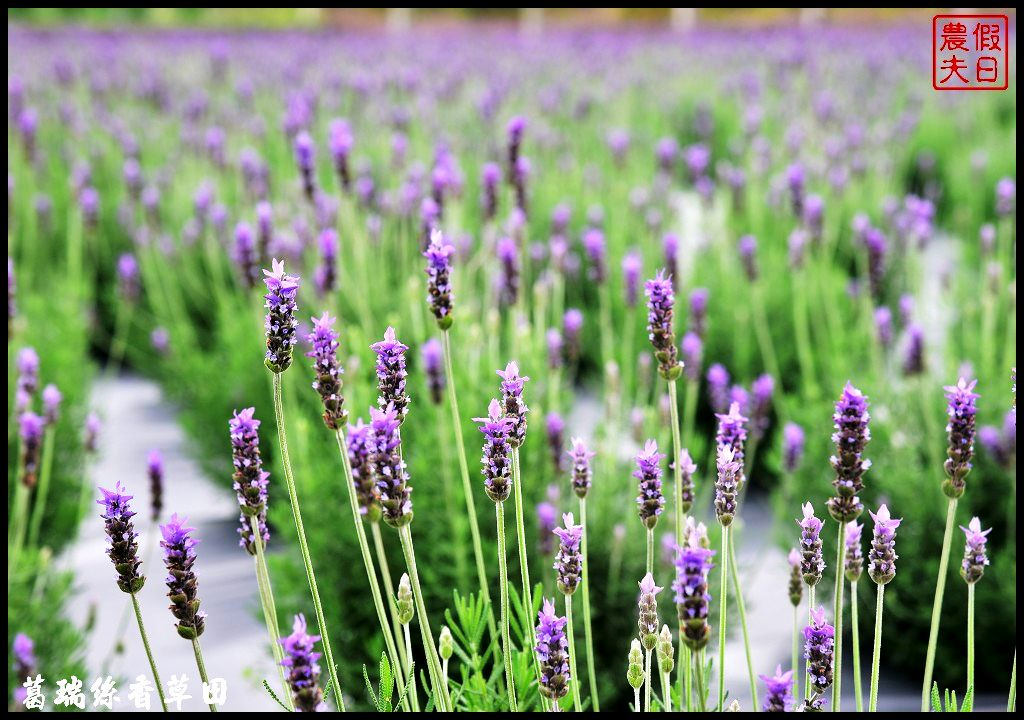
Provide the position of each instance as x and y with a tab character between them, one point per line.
970	52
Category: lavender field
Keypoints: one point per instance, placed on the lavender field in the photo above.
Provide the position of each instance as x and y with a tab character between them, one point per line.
694	334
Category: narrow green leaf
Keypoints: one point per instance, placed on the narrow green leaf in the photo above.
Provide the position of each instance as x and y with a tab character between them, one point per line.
266	685
936	701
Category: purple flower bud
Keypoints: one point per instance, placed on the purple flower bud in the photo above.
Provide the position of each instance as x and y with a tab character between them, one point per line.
647	612
883	326
250	480
182	584
975	556
432	356
882	555
670	247
340	142
569	561
555	348
360	441
792	447
25	663
699	311
128	277
554	428
692	598
327	372
280	321
439	288
552	653
516	128
1006	196
819	650
508	280
913	357
51	404
155	472
692	349
30	430
733	433
124	544
389	467
730	475
581	470
796	578
490	175
812	562
718	388
660	312
594	246
780	691
512	384
852	434
304	160
391	374
303	668
797	248
795	183
748	256
160	340
874	242
854	556
91	433
572	324
632	266
651	501
762	389
326	274
960	429
667	152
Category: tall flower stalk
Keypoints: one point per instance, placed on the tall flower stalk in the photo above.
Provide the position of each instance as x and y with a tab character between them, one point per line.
971	570
960	450
552	652
854	568
124	554
796	591
647	626
280	327
303	668
581	482
726	488
693	601
51	414
650	500
569	566
812	563
851	436
881	569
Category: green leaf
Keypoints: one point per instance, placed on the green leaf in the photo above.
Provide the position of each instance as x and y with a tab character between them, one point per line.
936	702
266	685
369	687
387	685
968	705
407	685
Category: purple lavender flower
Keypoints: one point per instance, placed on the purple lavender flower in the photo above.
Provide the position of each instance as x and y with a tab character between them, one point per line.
264	229
124	546
12	291
692	349
780	691
854	555
554	428
303	147
961	431
340	142
572	324
594	246
795	183
732	432
547	521
874	243
51	404
250	480
762	390
687	468
792	447
699	311
155	472
581	471
913	354
490	175
1006	196
883	326
91	432
660	311
512	384
975	557
439	288
508	257
432	356
496	460
160	341
718	387
30	430
651	501
361	449
325	276
555	347
391	374
280	321
692	598
819	649
852	434
730	474
647	612
128	277
516	128
667	153
569	561
796	578
182	584
748	256
882	555
553	653
303	667
797	244
389	467
812	562
632	266
327	381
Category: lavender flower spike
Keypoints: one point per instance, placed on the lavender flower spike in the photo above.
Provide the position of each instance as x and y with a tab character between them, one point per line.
732	432
581	471
819	649
854	555
30	430
303	668
392	479
124	545
182	584
882	556
686	470
512	384
360	440
51	404
961	431
812	561
553	653
692	599
439	287
155	471
648	473
851	436
569	561
280	323
496	461
796	585
391	374
780	691
432	356
660	313
328	381
25	662
730	474
250	479
647	606
792	447
975	557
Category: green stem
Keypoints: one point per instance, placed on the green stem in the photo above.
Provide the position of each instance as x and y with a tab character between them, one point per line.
970	636
856	646
722	626
940	588
371	575
807	674
1011	701
389	591
647	682
506	643
676	469
412	676
202	668
840	589
44	487
588	639
467	490
741	606
18	515
577	704
650	550
764	338
702	693
686	659
877	652
293	498
524	566
795	666
149	652
444	701
269	607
